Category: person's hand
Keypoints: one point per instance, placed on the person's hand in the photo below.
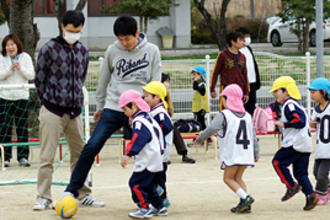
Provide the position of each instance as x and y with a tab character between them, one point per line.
197	143
279	123
97	115
124	161
17	65
313	124
213	94
245	99
256	159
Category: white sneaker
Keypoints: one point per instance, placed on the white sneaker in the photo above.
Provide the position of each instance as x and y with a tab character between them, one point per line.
41	204
90	201
62	196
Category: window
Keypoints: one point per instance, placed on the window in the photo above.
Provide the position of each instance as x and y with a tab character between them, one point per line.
45	7
96	7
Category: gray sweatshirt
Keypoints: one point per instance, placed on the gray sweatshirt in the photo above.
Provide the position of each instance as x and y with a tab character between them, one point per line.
123	70
219	124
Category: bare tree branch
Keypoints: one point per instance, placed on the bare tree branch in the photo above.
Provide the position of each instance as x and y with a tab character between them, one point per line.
219	33
81	5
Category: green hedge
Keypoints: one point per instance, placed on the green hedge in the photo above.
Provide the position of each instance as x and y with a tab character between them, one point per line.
201	33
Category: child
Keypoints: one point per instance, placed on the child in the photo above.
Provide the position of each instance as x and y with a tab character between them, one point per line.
320	90
177	138
146	145
154	95
296	141
237	143
200	102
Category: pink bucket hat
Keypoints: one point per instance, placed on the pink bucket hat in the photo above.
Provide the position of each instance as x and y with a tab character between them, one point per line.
133	96
234	96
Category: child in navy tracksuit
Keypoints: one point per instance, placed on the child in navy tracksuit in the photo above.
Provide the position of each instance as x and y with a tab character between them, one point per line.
320	90
146	146
154	94
296	142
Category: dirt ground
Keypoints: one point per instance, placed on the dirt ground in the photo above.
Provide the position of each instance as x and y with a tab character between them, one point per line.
196	191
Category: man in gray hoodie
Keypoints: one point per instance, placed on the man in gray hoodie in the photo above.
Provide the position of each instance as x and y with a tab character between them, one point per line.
130	63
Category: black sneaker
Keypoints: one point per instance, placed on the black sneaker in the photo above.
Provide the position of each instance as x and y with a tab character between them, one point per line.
290	192
311	201
244	206
187	159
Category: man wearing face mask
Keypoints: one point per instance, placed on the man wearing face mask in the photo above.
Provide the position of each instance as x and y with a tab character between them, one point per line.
252	70
60	75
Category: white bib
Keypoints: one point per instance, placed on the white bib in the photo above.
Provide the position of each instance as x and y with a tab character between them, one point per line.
236	144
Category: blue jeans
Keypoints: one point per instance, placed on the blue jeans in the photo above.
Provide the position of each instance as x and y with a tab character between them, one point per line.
109	122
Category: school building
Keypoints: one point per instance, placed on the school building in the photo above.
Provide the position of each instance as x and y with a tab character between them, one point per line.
98	33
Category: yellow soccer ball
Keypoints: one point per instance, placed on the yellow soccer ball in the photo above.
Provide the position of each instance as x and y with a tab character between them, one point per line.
66	207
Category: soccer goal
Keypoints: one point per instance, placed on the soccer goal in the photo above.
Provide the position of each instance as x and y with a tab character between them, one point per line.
19	138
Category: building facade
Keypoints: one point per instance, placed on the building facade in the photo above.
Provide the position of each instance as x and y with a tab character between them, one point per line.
98	33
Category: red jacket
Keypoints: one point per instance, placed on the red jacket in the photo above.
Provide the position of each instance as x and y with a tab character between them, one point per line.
231	71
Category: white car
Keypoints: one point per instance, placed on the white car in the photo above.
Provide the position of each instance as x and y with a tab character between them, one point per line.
279	32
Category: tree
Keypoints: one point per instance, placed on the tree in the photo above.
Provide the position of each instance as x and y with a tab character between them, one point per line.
218	25
145	9
19	17
303	14
252	9
60	10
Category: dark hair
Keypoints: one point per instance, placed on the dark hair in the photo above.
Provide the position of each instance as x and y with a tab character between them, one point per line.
129	105
325	95
243	30
165	77
233	36
73	17
16	40
125	25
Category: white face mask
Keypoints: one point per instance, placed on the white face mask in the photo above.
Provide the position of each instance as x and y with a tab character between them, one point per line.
247	41
70	37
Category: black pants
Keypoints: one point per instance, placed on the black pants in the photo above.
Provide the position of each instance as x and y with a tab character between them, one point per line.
16	111
178	142
250	106
200	117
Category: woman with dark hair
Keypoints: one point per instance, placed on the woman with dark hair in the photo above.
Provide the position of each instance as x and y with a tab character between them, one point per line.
16	67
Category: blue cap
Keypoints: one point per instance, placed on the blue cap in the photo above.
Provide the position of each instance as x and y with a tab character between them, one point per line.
320	84
200	70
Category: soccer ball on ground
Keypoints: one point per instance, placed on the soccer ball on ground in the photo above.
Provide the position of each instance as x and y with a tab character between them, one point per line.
66	207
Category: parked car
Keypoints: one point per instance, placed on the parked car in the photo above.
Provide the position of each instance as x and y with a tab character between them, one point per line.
279	32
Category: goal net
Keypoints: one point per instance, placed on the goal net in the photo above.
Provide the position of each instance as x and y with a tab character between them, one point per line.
19	138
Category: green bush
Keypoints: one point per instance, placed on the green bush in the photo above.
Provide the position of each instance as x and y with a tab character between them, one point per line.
201	33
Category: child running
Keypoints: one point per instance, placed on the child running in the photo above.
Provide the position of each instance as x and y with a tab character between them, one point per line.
154	95
146	146
320	91
296	142
237	143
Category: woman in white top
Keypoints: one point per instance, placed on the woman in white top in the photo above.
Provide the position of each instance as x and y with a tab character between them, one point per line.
16	67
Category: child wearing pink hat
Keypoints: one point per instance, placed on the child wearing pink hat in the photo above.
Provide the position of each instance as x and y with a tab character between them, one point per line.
146	146
237	143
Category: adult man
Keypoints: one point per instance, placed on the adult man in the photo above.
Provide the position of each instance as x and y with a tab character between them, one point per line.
129	63
60	75
252	70
231	66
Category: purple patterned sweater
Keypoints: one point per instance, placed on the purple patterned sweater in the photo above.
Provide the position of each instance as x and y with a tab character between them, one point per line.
60	75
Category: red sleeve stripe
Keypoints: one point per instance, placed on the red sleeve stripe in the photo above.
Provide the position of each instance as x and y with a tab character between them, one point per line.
131	143
296	118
